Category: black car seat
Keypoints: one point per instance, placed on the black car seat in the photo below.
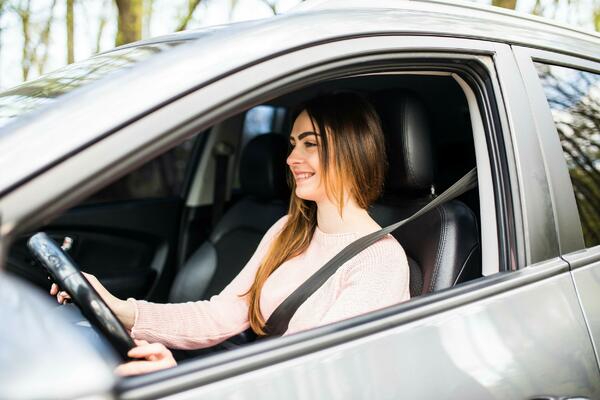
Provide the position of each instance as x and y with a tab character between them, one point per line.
237	234
442	246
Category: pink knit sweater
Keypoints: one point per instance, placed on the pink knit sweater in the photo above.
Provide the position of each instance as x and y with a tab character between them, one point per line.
377	277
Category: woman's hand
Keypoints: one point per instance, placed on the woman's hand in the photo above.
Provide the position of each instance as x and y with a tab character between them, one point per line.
123	310
155	357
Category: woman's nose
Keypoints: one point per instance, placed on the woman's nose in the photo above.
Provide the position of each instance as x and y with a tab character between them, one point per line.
295	157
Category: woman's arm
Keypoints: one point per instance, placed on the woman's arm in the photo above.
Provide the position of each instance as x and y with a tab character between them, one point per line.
204	323
125	311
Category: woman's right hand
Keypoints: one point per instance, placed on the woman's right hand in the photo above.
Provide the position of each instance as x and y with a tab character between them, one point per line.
123	310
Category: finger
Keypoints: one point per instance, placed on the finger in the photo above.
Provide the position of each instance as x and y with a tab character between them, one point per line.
140	367
148	350
140	342
63	297
53	289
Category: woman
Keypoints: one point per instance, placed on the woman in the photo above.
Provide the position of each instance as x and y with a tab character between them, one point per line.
337	148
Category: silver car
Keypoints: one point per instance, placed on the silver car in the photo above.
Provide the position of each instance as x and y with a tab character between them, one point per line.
157	160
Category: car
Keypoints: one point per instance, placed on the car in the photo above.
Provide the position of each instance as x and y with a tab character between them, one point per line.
154	159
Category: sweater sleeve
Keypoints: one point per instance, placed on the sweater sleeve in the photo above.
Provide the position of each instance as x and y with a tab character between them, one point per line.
204	323
377	279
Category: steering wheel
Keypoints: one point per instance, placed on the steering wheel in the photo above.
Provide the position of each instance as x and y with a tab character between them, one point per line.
66	274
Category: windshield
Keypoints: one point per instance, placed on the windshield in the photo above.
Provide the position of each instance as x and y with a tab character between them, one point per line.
36	93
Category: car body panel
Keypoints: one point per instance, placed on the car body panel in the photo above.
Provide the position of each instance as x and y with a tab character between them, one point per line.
515	334
586	274
43	356
585	263
491	349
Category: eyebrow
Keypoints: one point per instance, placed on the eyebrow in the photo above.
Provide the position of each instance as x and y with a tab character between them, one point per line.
305	134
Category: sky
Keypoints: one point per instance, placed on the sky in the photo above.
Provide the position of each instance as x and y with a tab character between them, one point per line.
165	17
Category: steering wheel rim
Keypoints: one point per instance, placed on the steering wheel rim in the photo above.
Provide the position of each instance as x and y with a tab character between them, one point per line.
66	274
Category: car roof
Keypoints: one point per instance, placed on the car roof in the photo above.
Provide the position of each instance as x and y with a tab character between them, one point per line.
42	138
435	17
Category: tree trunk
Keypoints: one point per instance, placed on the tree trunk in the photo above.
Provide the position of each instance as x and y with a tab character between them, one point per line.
24	14
511	4
70	30
130	21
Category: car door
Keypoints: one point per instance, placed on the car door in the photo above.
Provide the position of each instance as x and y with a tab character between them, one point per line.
507	335
566	91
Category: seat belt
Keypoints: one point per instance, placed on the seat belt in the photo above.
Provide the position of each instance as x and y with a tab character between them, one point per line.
222	152
278	322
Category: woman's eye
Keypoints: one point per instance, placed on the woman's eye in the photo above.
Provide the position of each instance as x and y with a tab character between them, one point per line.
309	144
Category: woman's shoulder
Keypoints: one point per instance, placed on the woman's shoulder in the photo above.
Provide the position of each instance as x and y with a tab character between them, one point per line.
386	249
280	223
276	228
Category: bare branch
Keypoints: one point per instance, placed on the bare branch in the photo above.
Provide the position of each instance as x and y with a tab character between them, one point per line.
44	41
192	5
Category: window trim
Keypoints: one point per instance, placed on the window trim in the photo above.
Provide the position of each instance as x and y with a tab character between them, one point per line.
322	337
568	223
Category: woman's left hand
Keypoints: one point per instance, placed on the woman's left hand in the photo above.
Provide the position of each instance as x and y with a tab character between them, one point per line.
155	357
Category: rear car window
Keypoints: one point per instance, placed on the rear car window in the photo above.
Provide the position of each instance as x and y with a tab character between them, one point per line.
574	98
162	177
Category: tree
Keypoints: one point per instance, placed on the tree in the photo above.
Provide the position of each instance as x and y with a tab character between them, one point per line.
33	54
70	31
192	5
129	26
510	4
103	19
597	16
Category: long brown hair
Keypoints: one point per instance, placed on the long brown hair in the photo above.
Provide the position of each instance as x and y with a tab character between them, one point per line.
353	161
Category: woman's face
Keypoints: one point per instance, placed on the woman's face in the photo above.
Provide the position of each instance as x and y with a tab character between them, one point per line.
304	160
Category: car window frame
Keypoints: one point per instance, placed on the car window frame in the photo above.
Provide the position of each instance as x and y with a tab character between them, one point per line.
157	125
143	381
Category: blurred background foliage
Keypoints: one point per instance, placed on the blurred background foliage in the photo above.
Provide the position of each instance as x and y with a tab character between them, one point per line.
37	36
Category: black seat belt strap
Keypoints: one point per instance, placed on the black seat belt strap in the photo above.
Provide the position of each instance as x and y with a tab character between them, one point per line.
278	322
222	152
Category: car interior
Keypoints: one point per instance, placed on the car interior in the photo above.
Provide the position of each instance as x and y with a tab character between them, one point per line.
183	225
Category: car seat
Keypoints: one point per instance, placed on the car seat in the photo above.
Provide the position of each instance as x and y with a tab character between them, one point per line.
442	246
237	234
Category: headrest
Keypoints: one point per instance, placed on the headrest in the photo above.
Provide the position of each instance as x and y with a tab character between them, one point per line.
263	168
408	140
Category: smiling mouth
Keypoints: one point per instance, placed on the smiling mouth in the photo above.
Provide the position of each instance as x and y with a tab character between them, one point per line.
303	176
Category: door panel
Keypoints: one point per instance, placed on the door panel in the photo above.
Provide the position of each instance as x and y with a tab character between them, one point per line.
129	245
518	344
586	274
